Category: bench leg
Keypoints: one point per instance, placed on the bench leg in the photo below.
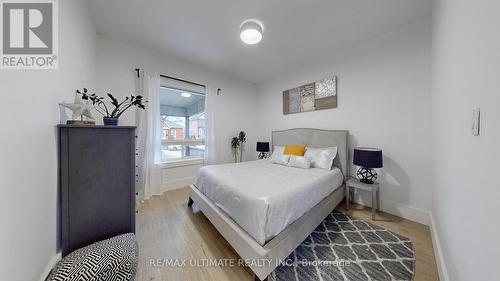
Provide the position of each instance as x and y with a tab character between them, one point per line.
190	202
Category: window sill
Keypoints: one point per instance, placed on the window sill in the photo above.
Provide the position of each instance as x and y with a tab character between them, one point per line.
182	163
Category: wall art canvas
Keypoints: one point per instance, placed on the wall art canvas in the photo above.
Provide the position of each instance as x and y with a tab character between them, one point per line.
312	96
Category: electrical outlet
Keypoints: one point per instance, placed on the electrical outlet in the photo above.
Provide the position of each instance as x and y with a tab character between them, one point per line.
476	121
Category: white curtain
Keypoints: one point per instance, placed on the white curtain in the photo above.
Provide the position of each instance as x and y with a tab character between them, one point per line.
149	137
210	110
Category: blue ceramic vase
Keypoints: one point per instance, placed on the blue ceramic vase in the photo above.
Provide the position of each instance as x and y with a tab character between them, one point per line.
110	121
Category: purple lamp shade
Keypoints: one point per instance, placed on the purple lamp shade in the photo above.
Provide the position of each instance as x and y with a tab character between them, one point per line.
368	157
262	147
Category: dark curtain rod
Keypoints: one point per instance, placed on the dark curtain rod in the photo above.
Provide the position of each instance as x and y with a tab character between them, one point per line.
173	78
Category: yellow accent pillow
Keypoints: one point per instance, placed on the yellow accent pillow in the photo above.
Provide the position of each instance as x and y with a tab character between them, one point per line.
298	150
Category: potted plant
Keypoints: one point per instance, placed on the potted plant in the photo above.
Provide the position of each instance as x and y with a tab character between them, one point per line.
238	145
242	137
111	117
235	144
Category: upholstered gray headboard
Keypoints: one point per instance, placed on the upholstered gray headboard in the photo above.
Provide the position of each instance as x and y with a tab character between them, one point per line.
317	138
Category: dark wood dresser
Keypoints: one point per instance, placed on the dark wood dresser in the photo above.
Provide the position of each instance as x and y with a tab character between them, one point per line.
97	183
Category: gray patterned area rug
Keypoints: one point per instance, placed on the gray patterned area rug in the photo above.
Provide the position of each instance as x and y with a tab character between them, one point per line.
344	248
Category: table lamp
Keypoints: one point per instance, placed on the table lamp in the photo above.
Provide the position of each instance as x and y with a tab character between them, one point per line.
263	148
367	158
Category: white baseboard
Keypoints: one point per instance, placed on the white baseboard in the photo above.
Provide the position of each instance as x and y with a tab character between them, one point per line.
171	185
177	183
407	212
394	208
438	253
53	261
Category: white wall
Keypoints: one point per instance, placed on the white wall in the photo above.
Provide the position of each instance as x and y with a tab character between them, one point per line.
383	100
466	57
235	106
28	114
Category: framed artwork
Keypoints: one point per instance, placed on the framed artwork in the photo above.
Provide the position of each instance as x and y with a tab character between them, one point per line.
312	96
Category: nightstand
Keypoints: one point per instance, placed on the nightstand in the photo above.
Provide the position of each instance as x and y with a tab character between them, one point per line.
373	188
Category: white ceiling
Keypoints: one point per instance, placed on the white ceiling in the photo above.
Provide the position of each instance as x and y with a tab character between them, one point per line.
296	32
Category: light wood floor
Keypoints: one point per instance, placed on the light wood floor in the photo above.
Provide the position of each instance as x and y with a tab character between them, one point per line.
167	229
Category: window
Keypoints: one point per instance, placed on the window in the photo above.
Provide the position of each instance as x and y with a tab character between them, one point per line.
182	114
201	132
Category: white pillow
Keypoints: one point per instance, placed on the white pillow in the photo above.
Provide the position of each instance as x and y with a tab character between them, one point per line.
302	162
279	149
281	159
321	157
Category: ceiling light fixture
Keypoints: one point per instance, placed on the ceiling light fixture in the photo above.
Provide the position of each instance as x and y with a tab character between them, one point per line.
186	95
251	32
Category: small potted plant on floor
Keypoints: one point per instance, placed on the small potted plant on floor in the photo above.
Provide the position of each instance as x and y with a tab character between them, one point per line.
242	137
111	117
238	145
235	144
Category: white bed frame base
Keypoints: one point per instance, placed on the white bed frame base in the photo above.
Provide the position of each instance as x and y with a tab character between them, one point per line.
280	246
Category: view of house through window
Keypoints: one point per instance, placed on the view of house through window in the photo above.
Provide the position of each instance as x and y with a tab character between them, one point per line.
183	124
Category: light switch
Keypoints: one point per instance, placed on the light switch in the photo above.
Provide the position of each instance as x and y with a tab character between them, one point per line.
476	121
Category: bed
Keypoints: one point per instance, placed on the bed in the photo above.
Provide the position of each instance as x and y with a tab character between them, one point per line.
265	210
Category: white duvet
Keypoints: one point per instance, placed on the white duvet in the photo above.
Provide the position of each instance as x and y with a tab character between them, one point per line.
264	198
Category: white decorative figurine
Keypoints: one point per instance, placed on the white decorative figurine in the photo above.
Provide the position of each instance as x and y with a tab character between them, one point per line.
80	108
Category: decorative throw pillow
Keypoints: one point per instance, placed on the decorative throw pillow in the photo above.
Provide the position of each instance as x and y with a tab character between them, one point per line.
299	162
278	149
322	157
279	158
295	150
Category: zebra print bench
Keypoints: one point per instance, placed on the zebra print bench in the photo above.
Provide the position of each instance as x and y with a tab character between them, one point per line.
112	259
